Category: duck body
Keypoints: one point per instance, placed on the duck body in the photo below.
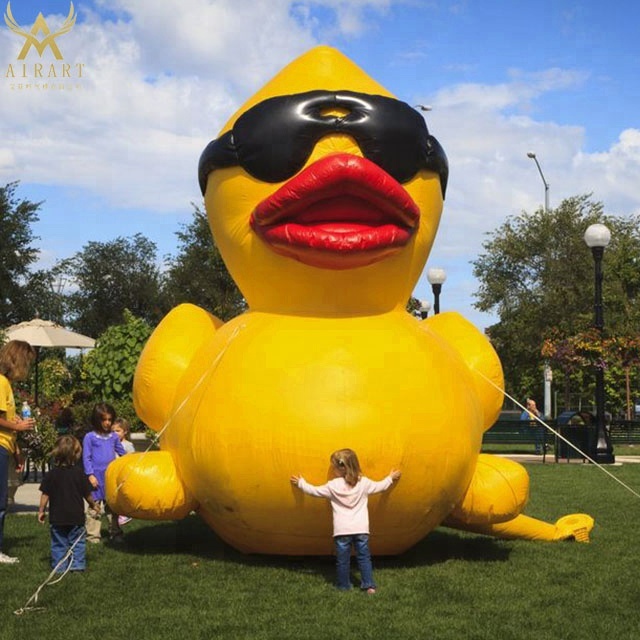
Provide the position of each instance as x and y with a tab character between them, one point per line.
324	196
286	388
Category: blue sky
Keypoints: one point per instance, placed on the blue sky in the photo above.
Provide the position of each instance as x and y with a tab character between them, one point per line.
115	152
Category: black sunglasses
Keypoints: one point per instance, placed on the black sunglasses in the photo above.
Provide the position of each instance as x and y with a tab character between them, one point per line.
273	140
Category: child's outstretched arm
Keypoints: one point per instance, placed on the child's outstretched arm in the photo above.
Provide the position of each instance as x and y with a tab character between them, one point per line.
318	491
384	484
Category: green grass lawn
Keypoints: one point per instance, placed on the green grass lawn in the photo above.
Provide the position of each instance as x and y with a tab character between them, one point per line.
177	580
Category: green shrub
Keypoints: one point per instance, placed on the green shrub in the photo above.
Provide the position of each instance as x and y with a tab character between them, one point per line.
38	444
54	381
108	370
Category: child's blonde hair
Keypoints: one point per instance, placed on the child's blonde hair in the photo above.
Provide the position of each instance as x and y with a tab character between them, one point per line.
346	463
123	424
67	451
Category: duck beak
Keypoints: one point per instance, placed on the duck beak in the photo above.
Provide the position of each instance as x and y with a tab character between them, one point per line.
341	212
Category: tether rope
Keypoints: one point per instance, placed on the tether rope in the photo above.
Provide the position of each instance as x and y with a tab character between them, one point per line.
573	446
48	581
165	426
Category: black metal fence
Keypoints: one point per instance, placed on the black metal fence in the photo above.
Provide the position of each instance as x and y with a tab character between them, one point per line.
625	431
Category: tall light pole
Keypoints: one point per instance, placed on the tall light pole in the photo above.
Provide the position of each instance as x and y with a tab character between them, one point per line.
547	369
436	278
544	182
548	379
597	237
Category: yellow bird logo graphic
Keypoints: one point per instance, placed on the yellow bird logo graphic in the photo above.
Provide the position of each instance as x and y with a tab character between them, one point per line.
40	26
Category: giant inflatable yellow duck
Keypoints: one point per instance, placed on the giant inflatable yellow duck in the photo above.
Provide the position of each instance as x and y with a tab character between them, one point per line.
324	195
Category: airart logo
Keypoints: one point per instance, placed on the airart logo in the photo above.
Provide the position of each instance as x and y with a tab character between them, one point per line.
40	26
42	75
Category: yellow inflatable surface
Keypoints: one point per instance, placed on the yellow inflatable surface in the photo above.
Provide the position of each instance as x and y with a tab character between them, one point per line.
324	195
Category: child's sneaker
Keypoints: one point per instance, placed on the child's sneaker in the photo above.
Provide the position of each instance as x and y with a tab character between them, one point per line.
5	559
122	520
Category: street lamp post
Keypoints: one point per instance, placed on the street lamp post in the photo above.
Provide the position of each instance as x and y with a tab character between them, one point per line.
547	368
425	306
544	182
548	379
597	237
436	278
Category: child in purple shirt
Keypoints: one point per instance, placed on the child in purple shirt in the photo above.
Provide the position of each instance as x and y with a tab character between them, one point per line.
100	447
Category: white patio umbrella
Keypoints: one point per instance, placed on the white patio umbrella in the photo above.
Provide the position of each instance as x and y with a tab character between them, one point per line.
44	333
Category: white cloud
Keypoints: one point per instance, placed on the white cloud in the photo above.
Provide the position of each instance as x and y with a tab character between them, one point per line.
491	175
133	127
157	84
487	138
7	158
522	88
352	17
237	42
614	173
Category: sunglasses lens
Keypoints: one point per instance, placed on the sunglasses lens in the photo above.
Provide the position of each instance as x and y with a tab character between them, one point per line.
273	139
273	161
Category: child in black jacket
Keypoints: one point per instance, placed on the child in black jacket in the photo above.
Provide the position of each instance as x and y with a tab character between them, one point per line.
64	489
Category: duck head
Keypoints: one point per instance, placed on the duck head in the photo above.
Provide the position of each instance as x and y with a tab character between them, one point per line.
323	192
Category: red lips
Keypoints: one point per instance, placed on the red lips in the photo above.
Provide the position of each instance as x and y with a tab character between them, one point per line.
341	212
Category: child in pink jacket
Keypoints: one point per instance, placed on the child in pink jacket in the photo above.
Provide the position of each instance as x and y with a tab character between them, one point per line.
349	492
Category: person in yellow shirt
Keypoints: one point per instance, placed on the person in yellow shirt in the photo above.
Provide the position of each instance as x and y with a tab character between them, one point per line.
16	358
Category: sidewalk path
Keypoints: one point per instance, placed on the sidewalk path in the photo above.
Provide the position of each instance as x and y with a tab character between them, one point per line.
28	495
27	499
526	458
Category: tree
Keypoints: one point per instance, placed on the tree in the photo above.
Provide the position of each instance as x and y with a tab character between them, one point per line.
584	351
199	275
109	277
17	254
573	355
536	273
42	292
622	276
626	349
413	306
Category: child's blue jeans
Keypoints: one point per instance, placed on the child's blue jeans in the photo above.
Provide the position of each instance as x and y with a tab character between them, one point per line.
4	489
63	538
360	542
